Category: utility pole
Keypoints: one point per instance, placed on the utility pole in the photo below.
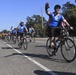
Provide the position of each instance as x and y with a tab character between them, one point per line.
42	17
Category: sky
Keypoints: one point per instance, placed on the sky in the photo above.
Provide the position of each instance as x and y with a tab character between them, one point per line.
12	12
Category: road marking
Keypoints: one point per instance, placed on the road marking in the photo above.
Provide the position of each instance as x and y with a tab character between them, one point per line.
32	60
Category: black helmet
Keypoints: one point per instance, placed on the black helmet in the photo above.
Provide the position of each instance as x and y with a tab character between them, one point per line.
57	6
21	23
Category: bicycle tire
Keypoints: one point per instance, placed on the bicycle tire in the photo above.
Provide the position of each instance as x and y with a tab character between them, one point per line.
14	40
68	43
20	45
50	51
33	39
72	38
25	45
67	52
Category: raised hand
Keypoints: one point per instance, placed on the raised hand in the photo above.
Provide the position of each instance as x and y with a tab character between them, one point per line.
47	6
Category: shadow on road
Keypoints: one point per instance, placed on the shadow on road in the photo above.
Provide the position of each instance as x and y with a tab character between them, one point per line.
39	72
42	56
41	46
7	48
46	57
13	54
10	48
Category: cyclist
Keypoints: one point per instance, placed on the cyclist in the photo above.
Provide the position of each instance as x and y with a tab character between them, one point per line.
8	35
31	32
55	19
21	29
14	33
0	35
11	32
3	35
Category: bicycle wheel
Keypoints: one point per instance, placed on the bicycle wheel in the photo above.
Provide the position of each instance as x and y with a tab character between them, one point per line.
25	45
68	49
72	38
20	45
8	38
33	37
14	40
70	45
50	50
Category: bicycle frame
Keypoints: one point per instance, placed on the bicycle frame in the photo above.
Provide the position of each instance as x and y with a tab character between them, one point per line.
22	39
23	42
63	35
66	45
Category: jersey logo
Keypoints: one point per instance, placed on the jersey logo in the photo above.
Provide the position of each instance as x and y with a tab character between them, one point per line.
56	18
21	27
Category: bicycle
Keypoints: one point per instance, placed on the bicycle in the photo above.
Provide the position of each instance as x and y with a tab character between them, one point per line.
66	45
23	43
14	39
32	37
7	38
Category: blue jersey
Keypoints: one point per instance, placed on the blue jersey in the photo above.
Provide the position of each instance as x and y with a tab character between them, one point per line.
55	19
21	28
14	31
30	30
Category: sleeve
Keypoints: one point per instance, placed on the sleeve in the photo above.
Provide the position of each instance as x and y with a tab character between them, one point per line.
25	26
62	17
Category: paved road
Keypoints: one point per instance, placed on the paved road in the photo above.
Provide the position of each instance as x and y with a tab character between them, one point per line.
33	61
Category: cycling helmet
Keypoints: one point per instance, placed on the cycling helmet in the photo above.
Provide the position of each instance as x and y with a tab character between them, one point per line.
57	6
22	23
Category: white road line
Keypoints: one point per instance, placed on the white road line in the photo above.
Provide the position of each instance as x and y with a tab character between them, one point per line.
32	60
